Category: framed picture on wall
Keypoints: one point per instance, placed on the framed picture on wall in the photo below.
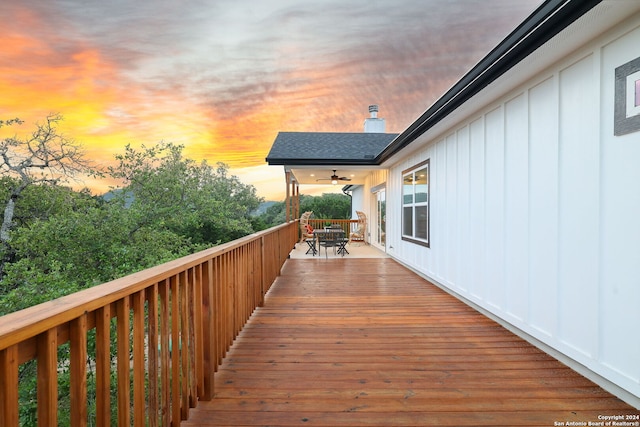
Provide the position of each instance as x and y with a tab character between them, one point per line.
627	102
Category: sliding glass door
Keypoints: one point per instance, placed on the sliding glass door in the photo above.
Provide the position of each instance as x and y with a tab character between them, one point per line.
379	227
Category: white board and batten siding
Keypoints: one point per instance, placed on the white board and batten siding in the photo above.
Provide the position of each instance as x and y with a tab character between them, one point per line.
535	211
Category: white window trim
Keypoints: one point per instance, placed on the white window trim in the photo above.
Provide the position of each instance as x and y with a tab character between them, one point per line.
424	242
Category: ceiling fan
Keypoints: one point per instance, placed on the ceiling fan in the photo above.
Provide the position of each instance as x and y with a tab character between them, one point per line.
334	178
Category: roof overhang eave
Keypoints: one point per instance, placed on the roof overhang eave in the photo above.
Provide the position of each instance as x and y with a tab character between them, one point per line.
322	162
544	23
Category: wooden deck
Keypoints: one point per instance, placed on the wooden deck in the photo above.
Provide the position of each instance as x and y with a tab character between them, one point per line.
355	342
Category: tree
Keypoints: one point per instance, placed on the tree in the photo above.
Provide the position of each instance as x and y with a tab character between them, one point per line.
79	249
327	206
192	199
45	157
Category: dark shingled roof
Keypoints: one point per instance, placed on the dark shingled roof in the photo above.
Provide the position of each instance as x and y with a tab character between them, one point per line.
329	148
306	148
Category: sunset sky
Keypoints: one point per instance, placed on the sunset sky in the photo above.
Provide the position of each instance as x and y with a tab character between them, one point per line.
223	77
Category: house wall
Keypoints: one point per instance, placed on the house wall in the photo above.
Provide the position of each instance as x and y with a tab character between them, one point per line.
357	201
363	200
535	211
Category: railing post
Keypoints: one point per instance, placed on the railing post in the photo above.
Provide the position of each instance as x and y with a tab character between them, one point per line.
165	396
183	348
209	330
174	292
47	344
139	406
263	269
199	326
124	372
9	386
79	371
154	406
103	366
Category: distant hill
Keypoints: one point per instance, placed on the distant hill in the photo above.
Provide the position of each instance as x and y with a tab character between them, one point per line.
114	193
263	208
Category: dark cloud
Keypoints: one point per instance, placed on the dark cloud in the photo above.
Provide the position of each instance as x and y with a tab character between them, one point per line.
238	56
403	57
257	67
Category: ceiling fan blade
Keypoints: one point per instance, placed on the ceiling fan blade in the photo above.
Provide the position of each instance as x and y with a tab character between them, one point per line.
334	177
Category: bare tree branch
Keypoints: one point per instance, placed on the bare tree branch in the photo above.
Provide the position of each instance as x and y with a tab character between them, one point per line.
45	157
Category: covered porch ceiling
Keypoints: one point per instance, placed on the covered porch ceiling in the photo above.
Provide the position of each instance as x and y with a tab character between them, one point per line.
321	175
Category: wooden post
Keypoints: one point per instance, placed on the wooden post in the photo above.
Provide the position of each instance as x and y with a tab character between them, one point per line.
79	371
287	200
9	386
103	366
123	367
47	348
296	190
209	329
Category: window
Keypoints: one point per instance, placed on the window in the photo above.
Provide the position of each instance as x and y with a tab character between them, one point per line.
415	204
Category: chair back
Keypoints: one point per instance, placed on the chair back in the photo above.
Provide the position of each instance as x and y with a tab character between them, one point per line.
359	233
304	221
330	239
362	221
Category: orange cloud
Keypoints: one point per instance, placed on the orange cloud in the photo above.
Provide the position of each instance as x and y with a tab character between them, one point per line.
223	82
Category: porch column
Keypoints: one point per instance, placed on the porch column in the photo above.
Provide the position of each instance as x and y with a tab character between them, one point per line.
292	199
287	199
296	199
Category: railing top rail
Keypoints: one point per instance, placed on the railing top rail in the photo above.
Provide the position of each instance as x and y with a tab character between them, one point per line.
21	325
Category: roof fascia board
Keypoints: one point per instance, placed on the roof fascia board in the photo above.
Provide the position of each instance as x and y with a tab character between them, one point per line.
322	162
544	23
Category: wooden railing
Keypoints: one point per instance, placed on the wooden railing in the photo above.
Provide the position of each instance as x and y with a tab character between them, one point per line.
160	335
348	225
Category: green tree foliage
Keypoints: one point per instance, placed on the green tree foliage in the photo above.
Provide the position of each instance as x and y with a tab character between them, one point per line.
45	157
57	241
80	249
63	241
194	200
327	206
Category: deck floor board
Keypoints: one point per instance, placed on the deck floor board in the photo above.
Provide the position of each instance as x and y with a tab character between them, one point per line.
366	342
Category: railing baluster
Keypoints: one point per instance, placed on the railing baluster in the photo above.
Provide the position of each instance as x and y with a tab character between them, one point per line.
152	333
221	312
208	330
124	370
79	371
193	347
103	366
184	345
199	321
175	350
165	395
9	386
225	318
47	378
139	406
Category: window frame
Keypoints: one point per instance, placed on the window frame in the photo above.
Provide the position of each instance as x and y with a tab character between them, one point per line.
412	238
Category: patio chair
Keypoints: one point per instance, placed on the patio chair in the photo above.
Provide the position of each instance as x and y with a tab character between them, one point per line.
330	239
359	234
306	231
